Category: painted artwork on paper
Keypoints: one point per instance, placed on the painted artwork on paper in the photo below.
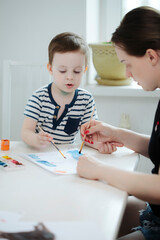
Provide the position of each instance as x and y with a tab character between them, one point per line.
54	162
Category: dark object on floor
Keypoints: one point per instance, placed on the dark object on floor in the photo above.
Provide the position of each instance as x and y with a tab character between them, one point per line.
40	233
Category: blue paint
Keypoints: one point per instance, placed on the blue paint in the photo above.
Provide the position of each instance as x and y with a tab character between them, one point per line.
3	164
34	156
46	163
75	154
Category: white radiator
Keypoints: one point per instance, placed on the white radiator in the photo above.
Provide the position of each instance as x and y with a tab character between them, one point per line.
20	80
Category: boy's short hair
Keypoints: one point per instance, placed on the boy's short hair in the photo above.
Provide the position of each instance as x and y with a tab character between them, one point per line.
67	42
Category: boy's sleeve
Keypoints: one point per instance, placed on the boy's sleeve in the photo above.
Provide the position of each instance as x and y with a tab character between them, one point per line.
33	107
89	109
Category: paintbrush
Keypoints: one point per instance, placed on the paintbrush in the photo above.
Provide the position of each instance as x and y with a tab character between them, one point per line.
87	128
53	143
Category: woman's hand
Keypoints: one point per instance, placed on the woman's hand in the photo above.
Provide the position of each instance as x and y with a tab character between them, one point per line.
106	147
102	134
87	167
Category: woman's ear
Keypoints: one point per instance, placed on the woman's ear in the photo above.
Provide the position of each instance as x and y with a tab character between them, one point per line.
152	56
49	68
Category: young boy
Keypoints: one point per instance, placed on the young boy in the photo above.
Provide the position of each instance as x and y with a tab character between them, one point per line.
61	107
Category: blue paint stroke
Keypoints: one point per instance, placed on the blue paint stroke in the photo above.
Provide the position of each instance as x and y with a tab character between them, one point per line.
34	156
48	164
75	154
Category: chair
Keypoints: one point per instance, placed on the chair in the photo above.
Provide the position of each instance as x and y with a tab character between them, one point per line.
20	80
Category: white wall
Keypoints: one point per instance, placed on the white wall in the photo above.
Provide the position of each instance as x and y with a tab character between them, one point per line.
111	14
141	111
27	26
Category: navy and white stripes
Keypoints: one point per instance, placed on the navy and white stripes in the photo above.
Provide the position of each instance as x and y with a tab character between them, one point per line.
43	108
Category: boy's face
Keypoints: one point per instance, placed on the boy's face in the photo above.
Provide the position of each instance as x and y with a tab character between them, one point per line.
67	70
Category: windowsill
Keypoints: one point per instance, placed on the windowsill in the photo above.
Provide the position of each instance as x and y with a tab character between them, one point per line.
132	90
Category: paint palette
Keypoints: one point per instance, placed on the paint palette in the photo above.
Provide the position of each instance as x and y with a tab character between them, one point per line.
54	162
8	163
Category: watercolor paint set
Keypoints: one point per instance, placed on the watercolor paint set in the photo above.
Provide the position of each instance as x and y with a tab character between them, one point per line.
8	163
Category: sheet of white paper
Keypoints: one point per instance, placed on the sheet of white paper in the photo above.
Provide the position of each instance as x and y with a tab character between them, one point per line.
7	217
55	162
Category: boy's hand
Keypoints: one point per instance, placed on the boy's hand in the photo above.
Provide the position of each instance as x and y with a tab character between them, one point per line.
44	138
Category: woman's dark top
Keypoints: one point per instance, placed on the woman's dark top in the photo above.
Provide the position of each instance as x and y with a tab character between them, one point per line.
154	152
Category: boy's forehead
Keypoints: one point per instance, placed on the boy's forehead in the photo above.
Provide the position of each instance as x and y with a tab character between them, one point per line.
69	58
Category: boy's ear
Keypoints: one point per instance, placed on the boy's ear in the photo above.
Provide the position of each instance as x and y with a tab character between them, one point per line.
49	67
86	68
152	56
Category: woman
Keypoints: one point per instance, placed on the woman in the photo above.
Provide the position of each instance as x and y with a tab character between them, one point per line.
137	44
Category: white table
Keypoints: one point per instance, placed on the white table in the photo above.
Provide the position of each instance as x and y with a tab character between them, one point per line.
43	196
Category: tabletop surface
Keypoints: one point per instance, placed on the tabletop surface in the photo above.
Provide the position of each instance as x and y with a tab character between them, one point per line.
43	196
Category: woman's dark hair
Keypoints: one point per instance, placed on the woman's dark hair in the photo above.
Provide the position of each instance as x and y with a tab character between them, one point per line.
139	31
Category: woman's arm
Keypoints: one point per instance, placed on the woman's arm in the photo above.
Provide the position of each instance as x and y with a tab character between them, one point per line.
142	186
134	141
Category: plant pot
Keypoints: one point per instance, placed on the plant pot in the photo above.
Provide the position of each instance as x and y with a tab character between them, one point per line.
109	69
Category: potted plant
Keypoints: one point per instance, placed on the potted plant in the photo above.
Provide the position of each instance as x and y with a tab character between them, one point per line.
110	70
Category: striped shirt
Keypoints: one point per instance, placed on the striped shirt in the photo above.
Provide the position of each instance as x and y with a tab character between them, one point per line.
43	108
